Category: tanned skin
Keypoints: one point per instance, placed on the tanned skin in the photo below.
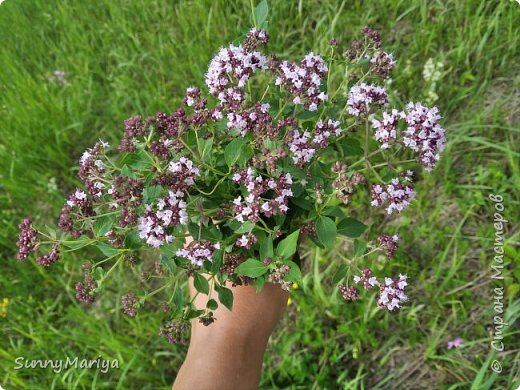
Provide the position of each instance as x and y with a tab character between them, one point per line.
228	354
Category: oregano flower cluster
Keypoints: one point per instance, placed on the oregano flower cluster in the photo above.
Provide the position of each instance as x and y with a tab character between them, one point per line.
271	155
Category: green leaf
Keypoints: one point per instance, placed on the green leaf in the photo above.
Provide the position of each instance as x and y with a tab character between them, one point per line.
360	248
296	173
168	250
388	175
51	231
192	313
245	155
78	243
287	247
303	203
233	150
139	160
334	211
126	171
305	115
212	304
168	263
318	169
104	224
106	249
259	283
210	233
351	227
246	227
364	62
217	260
151	194
261	12
132	241
340	273
178	297
266	247
297	190
99	273
352	147
207	146
279	219
270	145
295	274
201	284
326	231
252	268
225	296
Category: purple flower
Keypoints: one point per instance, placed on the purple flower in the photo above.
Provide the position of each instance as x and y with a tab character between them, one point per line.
134	127
154	225
185	169
27	239
362	96
126	193
256	120
246	241
455	343
172	126
373	35
254	39
396	196
78	204
382	63
130	304
85	290
175	332
91	170
303	81
278	277
388	243
348	293
391	294
231	98
367	279
179	175
254	203
193	99
50	258
301	148
198	252
232	67
324	130
386	129
424	134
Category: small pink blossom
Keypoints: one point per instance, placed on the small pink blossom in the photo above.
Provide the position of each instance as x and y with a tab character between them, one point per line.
396	196
386	129
156	221
362	96
455	343
198	252
391	294
424	134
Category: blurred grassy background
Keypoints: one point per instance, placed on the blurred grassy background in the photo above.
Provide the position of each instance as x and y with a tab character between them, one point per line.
126	57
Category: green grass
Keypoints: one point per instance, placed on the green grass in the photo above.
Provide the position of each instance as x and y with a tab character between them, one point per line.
137	57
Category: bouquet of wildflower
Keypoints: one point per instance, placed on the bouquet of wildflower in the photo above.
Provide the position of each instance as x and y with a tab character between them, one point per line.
226	187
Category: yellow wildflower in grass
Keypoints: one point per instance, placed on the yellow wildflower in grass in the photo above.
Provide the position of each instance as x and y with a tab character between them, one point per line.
294	286
3	307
